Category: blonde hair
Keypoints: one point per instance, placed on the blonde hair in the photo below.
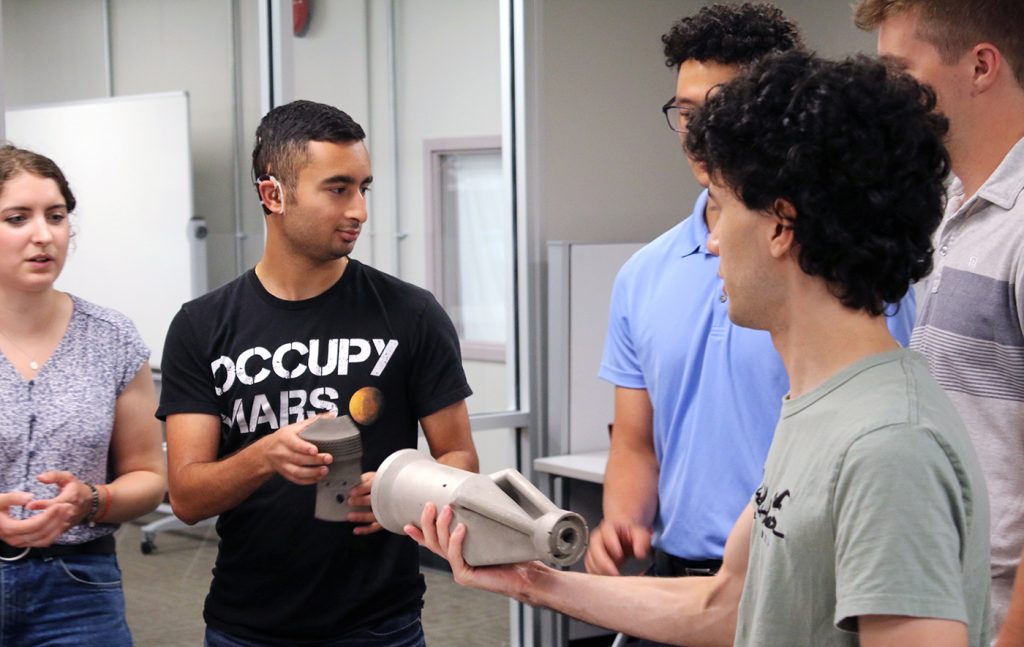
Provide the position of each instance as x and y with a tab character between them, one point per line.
955	26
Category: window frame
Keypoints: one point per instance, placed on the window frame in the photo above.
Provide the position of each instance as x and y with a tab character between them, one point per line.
434	150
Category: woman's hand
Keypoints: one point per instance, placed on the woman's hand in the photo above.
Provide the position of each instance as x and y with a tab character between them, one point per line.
38	530
70	490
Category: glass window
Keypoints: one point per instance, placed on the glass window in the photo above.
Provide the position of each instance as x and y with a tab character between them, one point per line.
473	241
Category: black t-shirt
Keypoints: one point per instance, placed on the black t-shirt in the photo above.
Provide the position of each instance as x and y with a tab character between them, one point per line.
260	363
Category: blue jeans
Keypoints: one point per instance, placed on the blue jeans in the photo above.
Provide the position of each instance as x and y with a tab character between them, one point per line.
398	631
72	601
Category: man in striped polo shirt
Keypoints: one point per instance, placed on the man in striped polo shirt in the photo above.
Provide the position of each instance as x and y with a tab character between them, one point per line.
971	321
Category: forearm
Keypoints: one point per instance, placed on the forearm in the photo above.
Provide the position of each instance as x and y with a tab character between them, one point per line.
130	496
631	486
462	459
631	477
200	490
908	631
696	611
449	436
1012	633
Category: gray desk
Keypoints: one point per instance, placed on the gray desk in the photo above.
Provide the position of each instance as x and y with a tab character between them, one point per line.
587	467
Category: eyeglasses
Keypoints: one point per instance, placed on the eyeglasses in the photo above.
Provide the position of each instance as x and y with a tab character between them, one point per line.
677	116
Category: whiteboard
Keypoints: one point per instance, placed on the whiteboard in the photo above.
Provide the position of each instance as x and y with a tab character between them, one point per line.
128	162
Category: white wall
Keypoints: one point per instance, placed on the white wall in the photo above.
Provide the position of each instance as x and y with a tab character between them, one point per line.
447	81
53	51
186	44
331	58
828	27
610	169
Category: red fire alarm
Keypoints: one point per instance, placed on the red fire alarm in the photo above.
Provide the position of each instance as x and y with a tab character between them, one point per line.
300	17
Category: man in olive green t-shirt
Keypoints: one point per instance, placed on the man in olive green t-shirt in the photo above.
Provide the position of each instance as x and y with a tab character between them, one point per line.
871	524
869	486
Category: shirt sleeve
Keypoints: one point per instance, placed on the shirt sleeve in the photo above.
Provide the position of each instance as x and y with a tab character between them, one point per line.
901	322
900	519
1018	288
436	379
620	364
186	378
134	354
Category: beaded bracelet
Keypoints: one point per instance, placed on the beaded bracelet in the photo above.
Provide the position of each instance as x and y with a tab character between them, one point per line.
95	505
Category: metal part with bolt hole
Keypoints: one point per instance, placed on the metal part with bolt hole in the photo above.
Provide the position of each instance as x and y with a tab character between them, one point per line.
340	438
507	519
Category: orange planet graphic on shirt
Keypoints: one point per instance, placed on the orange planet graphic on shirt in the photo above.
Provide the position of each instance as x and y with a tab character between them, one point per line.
365	405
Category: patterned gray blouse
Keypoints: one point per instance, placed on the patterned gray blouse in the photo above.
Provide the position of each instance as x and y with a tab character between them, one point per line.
62	419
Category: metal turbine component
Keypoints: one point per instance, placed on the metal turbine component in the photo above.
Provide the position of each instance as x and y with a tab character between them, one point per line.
507	519
338	437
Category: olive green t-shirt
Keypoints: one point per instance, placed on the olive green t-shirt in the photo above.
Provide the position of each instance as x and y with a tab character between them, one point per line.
872	503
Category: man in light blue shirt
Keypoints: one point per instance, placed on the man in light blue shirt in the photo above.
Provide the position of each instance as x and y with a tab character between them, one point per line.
696	398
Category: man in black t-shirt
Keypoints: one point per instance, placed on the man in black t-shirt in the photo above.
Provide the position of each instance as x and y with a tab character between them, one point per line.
248	366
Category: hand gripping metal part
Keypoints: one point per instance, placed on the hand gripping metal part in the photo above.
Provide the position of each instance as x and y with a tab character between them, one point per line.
340	438
507	519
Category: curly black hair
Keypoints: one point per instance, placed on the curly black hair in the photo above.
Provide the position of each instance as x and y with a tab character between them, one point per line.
731	35
854	146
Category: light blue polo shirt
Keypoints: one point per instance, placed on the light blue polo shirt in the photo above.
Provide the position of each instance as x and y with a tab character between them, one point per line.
716	388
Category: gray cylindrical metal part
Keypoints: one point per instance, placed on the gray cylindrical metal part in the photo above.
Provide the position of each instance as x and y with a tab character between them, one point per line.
500	530
405	481
340	438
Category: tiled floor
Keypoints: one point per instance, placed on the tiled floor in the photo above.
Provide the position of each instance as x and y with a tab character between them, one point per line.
165	592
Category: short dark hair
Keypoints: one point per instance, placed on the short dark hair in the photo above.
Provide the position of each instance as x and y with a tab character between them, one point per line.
955	26
285	132
731	35
854	146
14	160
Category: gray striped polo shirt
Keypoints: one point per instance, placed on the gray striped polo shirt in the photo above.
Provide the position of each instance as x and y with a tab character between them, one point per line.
971	329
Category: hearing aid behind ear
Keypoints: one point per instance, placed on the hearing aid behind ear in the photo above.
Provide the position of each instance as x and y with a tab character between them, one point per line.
278	192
